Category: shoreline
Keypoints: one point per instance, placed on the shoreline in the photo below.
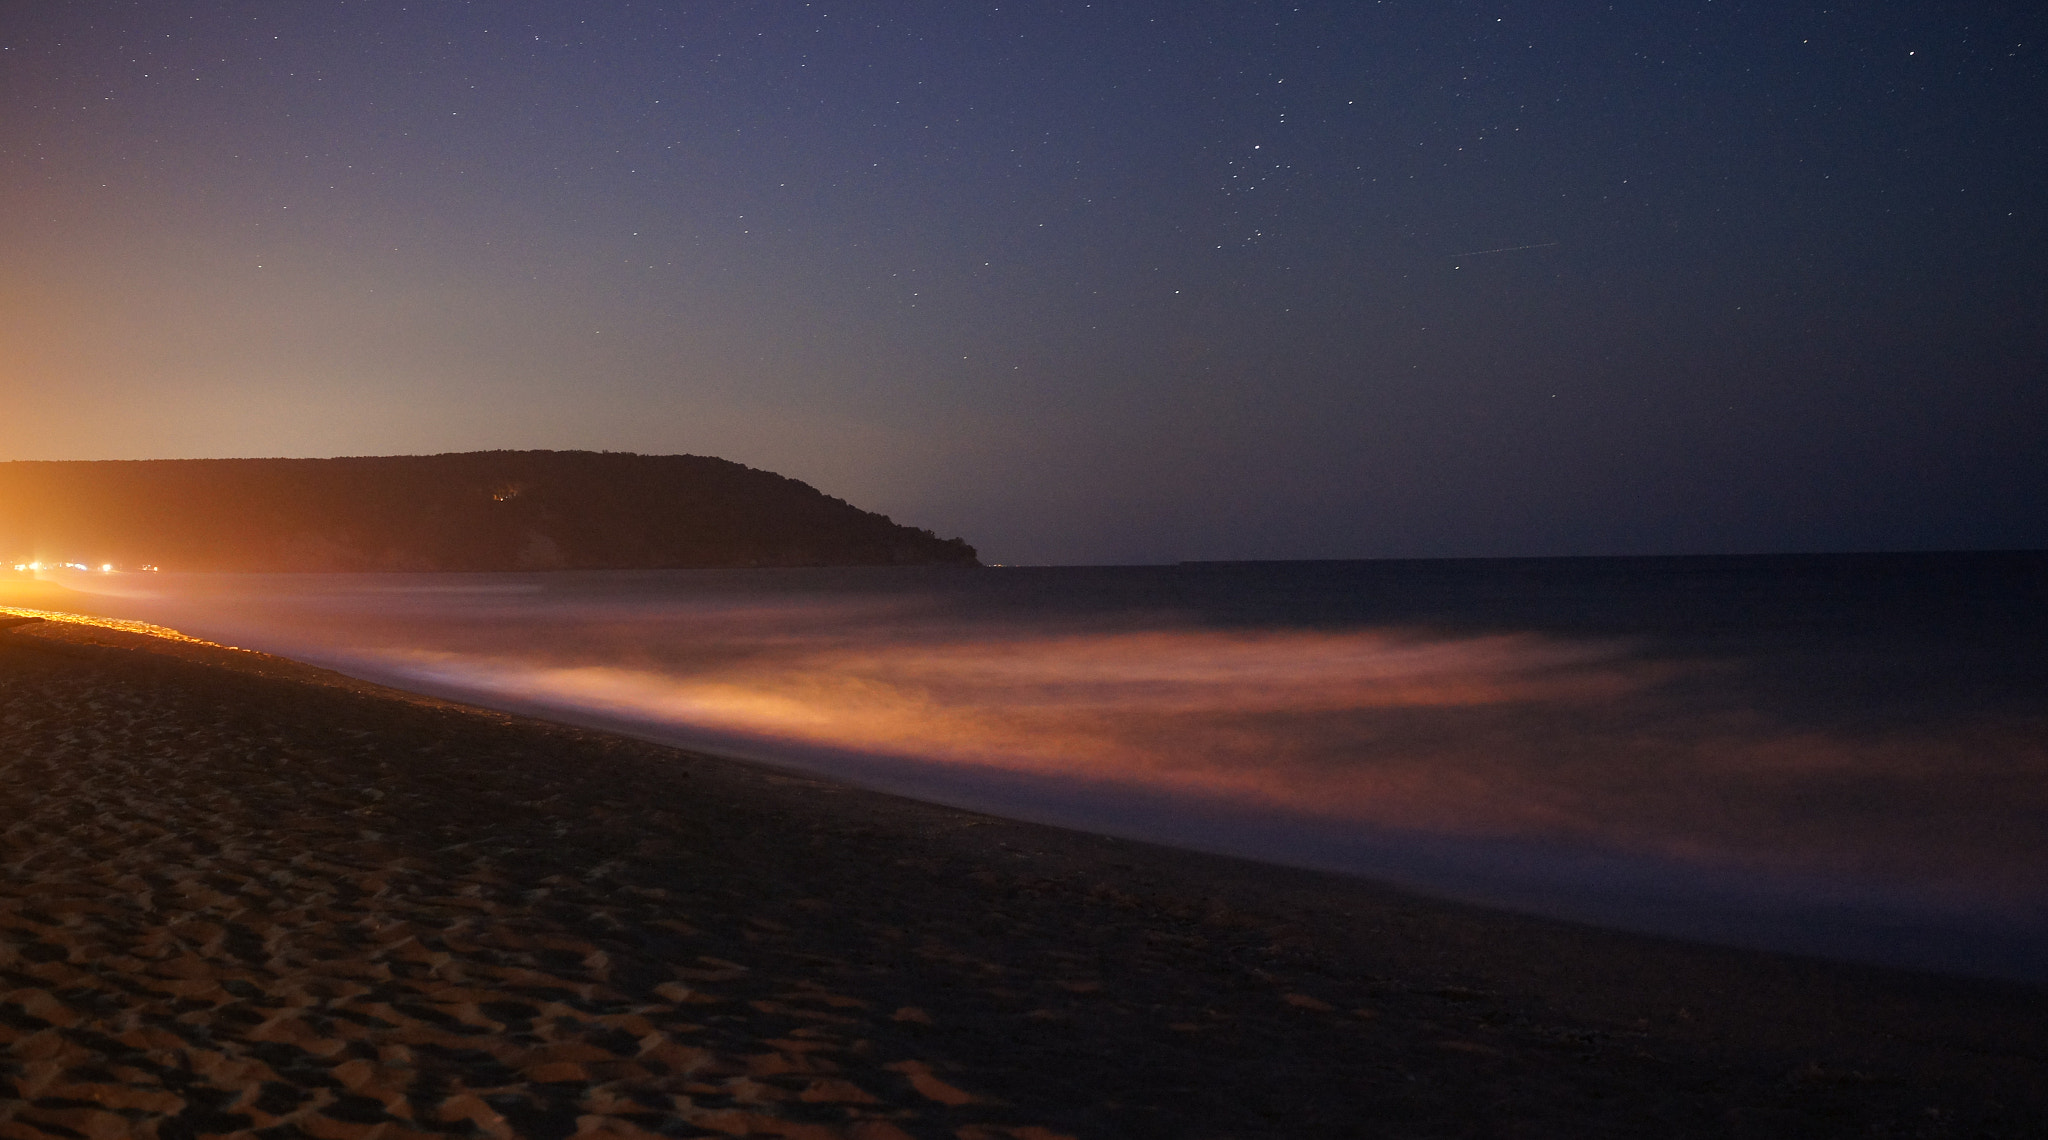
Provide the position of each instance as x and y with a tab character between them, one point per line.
1834	919
712	946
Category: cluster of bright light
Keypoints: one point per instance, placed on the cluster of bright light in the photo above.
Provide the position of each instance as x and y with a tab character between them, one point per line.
39	567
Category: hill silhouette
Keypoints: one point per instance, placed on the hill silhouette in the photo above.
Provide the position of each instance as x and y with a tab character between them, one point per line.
488	510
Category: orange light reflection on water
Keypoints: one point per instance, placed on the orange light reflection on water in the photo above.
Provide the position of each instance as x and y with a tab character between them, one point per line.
1264	715
1507	735
1601	744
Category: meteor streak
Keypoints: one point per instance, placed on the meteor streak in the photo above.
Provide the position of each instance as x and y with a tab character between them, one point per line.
1509	249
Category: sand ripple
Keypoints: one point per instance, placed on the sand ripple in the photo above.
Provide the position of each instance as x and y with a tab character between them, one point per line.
203	930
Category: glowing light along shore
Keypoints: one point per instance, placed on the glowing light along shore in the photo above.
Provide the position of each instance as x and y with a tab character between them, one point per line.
122	625
38	566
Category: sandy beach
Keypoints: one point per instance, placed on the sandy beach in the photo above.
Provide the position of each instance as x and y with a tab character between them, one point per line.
246	896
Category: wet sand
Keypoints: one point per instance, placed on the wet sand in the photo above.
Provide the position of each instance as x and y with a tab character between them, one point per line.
242	895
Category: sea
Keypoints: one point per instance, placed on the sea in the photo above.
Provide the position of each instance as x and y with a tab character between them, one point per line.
1835	755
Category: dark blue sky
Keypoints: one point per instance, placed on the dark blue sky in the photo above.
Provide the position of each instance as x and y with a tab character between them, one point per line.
1078	282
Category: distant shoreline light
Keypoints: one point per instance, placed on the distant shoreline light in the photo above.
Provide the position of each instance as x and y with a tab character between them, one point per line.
38	566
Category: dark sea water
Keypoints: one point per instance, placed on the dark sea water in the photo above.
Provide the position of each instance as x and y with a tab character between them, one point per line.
1844	755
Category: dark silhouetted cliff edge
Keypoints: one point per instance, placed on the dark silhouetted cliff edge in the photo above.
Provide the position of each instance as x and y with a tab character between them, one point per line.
487	510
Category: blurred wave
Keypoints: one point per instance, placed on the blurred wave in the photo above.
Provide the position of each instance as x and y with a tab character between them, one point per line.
1221	713
1787	777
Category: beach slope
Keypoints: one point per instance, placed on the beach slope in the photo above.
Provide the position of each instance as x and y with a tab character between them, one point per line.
241	895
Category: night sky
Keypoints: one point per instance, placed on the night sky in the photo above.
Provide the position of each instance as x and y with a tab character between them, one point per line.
1078	282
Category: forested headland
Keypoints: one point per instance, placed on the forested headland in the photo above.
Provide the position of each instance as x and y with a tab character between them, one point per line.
489	510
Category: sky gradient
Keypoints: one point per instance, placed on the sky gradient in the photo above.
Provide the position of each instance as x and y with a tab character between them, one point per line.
1077	282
